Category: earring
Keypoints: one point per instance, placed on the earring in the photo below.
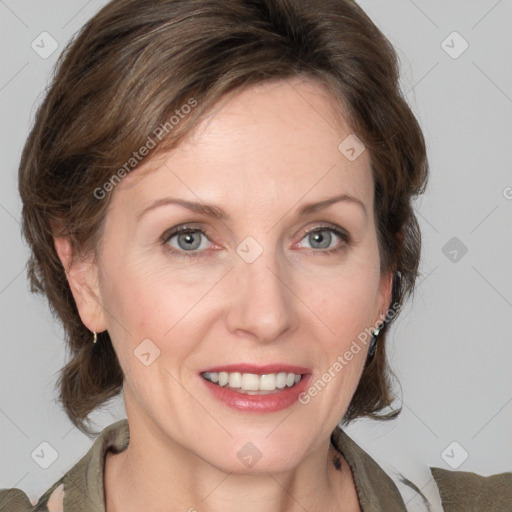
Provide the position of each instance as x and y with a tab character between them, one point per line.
373	341
95	337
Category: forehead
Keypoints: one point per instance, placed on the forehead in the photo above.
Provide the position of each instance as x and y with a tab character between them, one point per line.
270	138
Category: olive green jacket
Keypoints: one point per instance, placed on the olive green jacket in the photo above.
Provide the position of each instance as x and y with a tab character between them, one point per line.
459	491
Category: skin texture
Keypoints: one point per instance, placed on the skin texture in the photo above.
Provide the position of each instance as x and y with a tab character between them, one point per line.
260	155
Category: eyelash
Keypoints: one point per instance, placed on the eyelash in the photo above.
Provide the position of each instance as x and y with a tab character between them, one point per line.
167	236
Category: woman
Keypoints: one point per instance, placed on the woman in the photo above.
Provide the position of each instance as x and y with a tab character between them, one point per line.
217	196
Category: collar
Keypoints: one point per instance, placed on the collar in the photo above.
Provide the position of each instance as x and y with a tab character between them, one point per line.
375	489
83	484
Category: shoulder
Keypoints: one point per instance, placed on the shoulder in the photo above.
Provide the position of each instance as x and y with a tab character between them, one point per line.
15	500
458	490
81	488
373	485
464	490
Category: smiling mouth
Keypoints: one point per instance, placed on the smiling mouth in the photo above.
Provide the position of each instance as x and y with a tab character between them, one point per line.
253	384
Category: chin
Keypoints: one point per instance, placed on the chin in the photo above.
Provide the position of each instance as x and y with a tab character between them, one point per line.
274	463
243	457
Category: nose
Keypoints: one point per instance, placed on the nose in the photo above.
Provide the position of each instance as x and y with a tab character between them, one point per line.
262	305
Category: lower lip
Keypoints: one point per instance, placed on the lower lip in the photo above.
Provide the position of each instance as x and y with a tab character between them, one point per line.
273	402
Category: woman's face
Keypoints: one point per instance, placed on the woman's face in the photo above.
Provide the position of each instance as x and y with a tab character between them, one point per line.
247	291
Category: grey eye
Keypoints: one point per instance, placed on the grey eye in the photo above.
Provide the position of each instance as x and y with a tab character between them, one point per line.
320	239
189	240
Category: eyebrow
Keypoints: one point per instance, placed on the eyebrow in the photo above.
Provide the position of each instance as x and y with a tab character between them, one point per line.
211	210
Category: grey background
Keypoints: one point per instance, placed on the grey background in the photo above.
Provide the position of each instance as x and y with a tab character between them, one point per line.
451	347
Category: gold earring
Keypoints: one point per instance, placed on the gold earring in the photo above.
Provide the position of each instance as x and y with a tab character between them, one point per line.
95	337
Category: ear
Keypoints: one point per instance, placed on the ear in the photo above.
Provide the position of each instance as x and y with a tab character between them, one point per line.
82	275
385	292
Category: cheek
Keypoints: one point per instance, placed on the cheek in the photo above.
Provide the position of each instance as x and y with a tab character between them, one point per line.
346	299
146	301
346	310
140	294
345	302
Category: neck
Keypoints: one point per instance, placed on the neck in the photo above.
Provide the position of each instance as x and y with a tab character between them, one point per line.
160	473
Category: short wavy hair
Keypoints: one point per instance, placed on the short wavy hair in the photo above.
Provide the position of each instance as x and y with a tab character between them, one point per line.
127	72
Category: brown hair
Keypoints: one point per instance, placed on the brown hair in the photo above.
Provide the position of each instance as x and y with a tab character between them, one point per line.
131	68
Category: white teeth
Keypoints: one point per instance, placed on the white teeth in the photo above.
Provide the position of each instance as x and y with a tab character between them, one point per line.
214	377
223	378
252	381
235	380
281	380
268	382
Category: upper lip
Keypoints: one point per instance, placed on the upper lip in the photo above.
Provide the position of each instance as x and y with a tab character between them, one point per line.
258	369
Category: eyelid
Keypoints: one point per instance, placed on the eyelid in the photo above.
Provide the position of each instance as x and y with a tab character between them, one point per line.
191	226
199	228
342	234
326	225
184	228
